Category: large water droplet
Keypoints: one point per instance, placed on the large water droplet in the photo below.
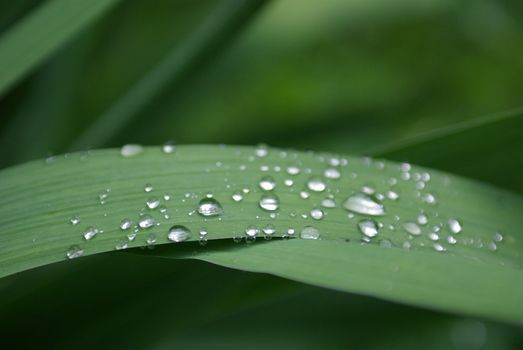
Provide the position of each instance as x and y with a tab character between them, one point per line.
131	150
368	227
179	233
210	207
269	202
316	184
454	225
74	252
310	232
90	233
362	204
267	183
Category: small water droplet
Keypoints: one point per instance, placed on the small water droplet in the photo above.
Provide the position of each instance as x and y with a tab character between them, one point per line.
251	231
261	150
433	236
423	219
103	196
317	214
269	230
451	240
237	196
152	203
90	233
131	150
74	252
492	246
179	233
121	245
316	184
412	228
328	203
368	190
131	236
309	232
269	202
438	247
168	147
288	182
125	224
332	173
293	170
454	225
362	204
146	221
429	198
210	207
75	220
267	183
151	239
498	237
148	188
392	195
368	227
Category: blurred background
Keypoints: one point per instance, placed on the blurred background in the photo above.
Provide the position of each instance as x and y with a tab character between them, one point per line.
340	75
345	76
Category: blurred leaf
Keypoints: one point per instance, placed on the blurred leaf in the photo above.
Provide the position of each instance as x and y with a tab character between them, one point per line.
466	278
38	35
198	50
487	149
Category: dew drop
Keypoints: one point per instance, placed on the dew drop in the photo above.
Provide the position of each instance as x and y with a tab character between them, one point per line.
492	246
121	245
131	236
328	203
269	230
168	147
498	237
261	151
293	170
332	173
251	231
151	239
267	183
317	214
451	240
148	188
269	202
309	232
75	220
103	196
90	233
438	247
74	252
125	224
288	182
412	228
392	195
179	233
146	221
210	207
362	204
131	150
237	196
454	225
433	236
368	227
304	194
316	184
422	219
152	203
429	198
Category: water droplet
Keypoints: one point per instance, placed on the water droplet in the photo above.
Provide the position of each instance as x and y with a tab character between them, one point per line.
492	246
368	190
309	232
423	219
251	231
412	228
131	236
332	173
498	237
75	220
317	214
328	203
293	170
152	203
125	224
210	207
438	247
179	233
146	221
103	196
74	252
433	236
237	196
451	240
316	184
288	182
148	188
121	245
90	233
362	204
269	202
392	195
304	194
291	231
151	239
368	227
454	225
429	198
267	183
269	230
168	147
131	150
261	151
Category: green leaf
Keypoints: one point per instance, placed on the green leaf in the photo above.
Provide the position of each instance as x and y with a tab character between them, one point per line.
485	148
42	32
38	199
